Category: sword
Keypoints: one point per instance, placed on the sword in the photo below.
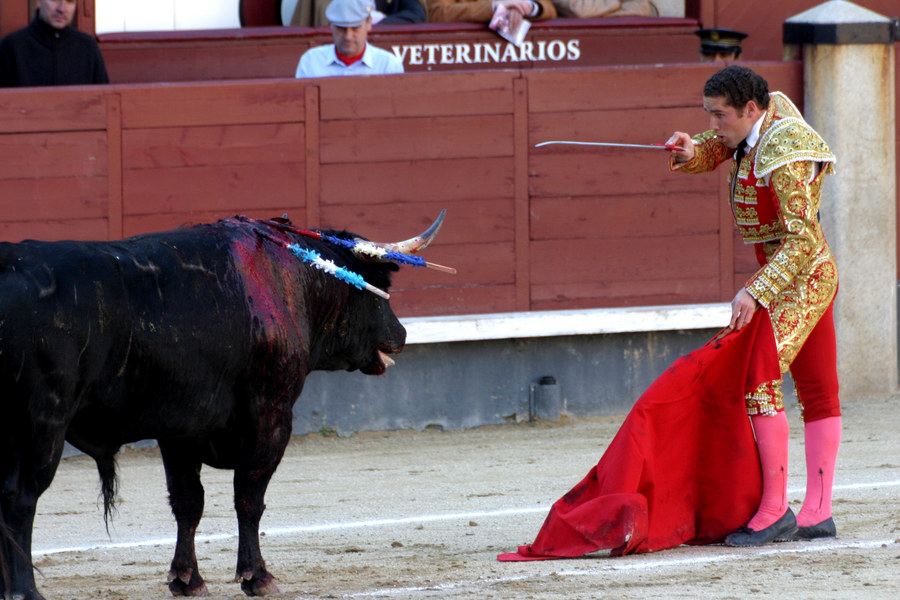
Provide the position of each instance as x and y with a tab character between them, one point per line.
614	145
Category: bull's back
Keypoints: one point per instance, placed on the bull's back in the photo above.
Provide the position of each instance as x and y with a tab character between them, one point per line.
133	329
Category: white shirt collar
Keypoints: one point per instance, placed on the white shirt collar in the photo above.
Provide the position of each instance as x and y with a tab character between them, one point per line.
753	136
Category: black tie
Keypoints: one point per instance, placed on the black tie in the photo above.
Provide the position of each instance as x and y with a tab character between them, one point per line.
738	155
741	152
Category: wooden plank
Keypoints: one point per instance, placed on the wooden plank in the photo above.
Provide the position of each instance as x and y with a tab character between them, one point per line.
570	171
630	126
450	180
466	222
633	45
672	257
744	256
741	277
213	145
417	95
377	140
610	294
625	216
235	188
640	86
453	300
86	16
63	108
786	77
522	214
180	105
476	264
59	198
14	15
604	88
726	243
62	154
313	178
164	221
114	179
130	59
53	230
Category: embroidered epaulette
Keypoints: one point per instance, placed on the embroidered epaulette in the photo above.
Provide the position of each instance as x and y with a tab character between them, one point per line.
789	139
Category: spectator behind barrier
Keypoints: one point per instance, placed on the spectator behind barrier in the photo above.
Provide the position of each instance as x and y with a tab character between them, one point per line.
586	9
488	11
720	45
350	54
50	51
311	13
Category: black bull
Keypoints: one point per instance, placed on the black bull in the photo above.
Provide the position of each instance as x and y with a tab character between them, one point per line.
200	338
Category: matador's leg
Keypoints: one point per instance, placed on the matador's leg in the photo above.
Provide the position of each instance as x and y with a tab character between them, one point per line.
815	377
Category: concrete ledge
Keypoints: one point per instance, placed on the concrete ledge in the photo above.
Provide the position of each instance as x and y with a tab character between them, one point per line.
498	326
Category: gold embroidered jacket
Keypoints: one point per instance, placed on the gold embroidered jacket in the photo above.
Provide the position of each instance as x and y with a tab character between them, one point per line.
775	200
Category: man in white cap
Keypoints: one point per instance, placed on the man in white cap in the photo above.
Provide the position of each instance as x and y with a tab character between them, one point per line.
350	54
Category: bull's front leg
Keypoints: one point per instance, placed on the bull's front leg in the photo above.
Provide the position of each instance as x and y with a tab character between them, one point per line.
186	500
27	466
249	493
16	518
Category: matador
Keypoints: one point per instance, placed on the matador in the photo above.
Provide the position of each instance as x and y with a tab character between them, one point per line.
775	190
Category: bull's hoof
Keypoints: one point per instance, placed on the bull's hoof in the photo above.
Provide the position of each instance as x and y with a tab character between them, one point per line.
188	584
179	588
32	594
260	586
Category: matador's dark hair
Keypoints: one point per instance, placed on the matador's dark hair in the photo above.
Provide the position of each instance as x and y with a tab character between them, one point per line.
739	85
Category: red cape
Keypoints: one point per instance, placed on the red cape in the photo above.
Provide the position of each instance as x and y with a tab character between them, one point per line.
682	469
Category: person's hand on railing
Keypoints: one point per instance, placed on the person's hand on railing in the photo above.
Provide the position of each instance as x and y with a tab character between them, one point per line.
508	14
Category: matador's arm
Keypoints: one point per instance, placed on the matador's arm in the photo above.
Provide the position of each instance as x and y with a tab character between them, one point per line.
797	208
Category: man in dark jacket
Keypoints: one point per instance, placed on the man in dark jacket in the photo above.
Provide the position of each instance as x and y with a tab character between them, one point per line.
50	51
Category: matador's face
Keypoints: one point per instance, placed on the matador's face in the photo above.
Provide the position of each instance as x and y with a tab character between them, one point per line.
731	124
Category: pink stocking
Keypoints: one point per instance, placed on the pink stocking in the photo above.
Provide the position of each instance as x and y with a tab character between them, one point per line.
822	439
772	441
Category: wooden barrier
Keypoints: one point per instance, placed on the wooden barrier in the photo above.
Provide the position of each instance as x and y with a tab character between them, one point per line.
528	228
267	52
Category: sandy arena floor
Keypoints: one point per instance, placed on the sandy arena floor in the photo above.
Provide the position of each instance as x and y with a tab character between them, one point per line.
423	515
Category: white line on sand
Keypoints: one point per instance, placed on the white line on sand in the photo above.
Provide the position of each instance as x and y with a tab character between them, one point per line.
645	563
371	523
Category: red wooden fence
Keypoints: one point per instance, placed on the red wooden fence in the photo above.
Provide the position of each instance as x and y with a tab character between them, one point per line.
528	228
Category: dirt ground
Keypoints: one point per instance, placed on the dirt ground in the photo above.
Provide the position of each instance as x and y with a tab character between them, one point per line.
423	515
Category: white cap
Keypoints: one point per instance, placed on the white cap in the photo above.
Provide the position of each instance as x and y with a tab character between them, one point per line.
349	13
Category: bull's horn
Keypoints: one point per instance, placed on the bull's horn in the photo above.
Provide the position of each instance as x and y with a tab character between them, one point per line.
377	251
415	244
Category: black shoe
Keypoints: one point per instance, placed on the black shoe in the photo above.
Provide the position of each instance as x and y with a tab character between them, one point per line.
780	529
825	529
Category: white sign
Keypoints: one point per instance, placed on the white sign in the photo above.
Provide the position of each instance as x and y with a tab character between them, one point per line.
498	52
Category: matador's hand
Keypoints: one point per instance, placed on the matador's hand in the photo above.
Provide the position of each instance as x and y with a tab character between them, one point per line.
679	138
742	309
